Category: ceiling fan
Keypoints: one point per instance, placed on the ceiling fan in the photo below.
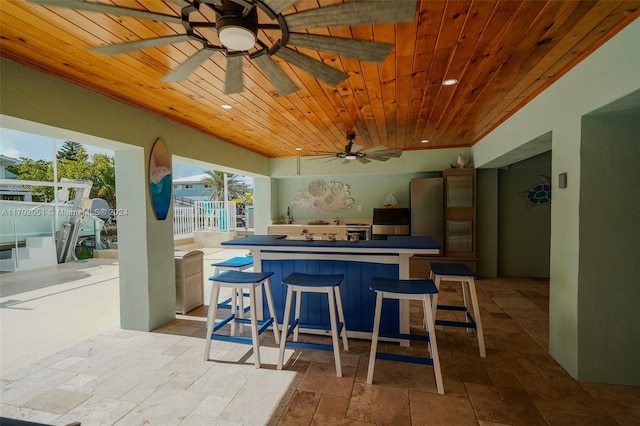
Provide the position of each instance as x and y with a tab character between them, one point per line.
353	151
239	33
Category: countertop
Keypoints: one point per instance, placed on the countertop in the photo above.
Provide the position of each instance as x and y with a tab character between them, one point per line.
395	244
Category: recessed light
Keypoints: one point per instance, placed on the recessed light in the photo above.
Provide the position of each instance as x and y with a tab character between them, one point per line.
424	141
298	149
225	106
449	82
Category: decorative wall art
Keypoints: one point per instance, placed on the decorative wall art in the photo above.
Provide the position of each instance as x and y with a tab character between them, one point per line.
324	197
160	183
540	193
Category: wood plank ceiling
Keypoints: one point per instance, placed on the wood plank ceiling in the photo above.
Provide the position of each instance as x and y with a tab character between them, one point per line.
503	53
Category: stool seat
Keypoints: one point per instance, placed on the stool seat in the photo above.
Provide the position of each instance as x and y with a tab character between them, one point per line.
238	281
391	285
309	280
459	272
452	269
314	283
235	262
239	278
236	301
390	288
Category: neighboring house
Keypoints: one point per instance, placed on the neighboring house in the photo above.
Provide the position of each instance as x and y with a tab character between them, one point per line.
11	192
190	188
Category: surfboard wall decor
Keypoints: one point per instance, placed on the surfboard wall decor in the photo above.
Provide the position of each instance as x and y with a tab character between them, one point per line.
160	183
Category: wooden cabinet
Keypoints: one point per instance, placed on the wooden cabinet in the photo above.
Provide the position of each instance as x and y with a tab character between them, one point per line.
460	213
189	280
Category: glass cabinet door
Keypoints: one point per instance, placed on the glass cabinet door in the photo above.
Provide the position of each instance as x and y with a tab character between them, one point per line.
459	191
460	235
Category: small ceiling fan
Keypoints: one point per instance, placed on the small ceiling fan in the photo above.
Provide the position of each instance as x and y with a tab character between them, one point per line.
239	32
353	151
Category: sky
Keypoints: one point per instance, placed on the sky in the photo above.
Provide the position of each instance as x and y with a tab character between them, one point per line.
16	144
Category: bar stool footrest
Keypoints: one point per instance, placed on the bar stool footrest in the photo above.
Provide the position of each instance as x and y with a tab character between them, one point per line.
403	336
226	303
404	358
312	327
470	324
453	308
262	325
217	326
235	339
309	345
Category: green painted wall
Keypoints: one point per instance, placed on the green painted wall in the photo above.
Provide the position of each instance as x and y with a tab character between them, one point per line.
366	191
524	235
608	74
409	162
608	279
487	222
145	250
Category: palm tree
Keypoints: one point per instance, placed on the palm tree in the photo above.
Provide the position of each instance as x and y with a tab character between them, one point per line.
236	188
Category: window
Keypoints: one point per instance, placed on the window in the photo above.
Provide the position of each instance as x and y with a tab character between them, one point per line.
176	187
208	186
188	186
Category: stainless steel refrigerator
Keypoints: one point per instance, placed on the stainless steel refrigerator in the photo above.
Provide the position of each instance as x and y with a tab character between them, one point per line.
427	208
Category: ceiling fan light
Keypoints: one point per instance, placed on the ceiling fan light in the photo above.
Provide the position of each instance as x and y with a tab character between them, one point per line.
237	38
350	157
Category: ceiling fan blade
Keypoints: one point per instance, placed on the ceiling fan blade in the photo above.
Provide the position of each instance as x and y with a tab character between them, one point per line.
233	81
355	147
385	153
363	160
354	13
359	49
113	49
281	81
383	150
279	5
323	157
379	157
188	66
314	67
109	9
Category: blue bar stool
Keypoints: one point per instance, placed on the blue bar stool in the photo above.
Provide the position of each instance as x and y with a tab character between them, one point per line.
238	282
389	288
239	264
459	272
308	283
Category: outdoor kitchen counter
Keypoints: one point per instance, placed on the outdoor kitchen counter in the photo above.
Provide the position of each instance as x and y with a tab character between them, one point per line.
359	261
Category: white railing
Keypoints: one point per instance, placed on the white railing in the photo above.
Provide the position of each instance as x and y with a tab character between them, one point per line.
183	222
204	216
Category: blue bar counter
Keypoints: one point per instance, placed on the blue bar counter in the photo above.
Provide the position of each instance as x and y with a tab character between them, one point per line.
359	261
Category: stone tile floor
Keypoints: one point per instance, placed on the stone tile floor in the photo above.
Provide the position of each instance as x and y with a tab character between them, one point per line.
126	377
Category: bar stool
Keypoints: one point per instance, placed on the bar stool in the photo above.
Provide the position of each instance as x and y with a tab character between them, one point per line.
239	281
239	264
461	273
308	283
389	288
